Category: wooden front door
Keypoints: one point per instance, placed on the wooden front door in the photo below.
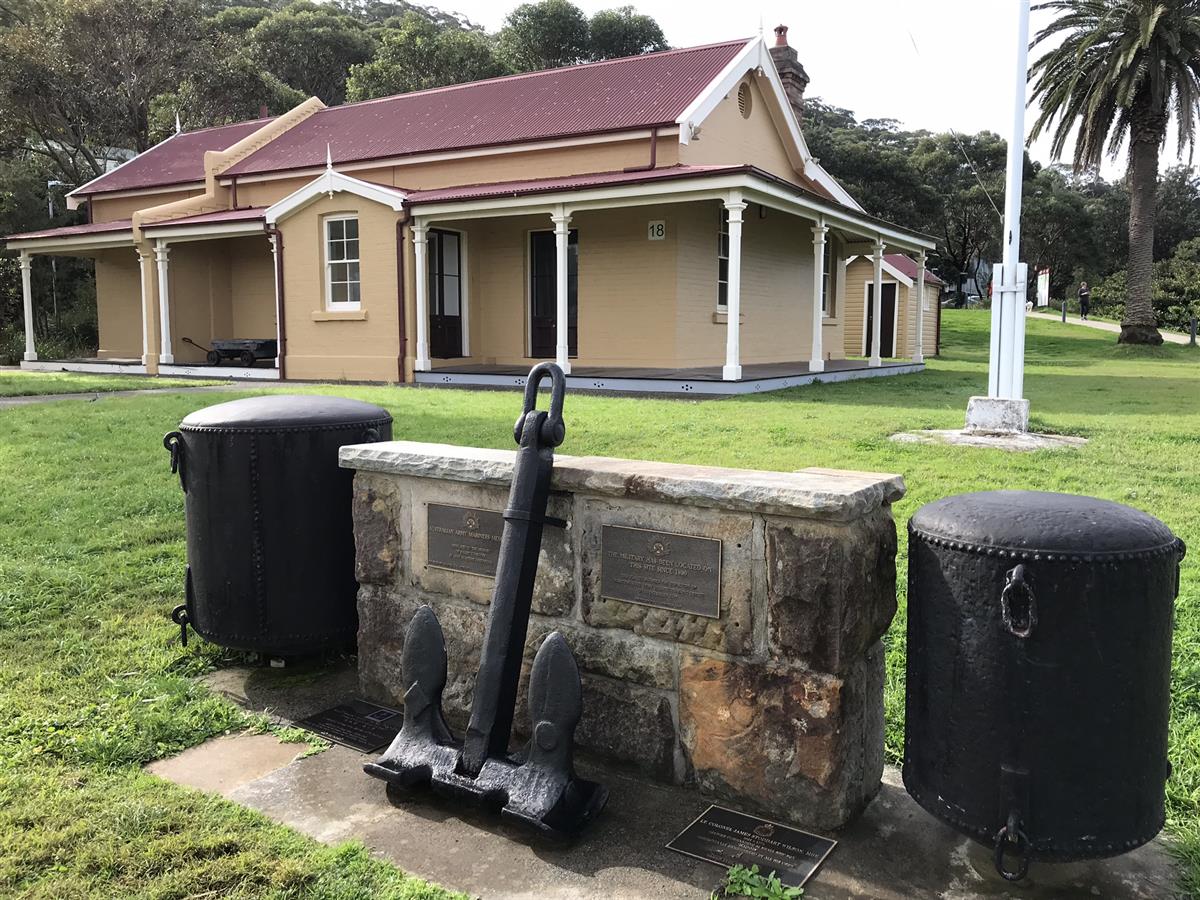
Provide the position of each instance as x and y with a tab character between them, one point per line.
445	294
543	300
887	312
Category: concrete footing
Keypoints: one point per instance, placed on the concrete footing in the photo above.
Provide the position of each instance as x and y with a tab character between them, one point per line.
993	415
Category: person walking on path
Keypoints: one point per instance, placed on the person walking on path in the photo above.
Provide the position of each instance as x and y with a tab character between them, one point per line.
1085	300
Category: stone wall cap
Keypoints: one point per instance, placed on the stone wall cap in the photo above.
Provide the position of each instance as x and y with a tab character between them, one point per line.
810	493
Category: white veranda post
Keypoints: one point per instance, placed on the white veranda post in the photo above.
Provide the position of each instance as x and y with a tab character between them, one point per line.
733	295
562	289
275	239
919	287
876	303
420	232
147	298
26	262
161	252
1004	408
816	362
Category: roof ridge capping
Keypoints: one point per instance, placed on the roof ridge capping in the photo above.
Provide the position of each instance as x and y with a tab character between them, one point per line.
217	161
519	75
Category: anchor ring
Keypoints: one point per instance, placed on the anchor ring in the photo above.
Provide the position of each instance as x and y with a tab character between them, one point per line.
1020	849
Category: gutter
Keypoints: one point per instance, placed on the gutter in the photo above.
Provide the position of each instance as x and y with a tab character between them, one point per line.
280	318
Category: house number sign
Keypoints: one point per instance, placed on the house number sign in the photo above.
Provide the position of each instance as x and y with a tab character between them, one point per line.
657	568
656	230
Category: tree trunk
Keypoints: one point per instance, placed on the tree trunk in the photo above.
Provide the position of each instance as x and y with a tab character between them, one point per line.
1138	326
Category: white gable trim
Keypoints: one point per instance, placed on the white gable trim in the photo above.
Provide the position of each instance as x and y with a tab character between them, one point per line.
332	182
890	269
756	55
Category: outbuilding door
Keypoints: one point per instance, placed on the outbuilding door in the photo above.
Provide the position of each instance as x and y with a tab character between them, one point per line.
543	301
887	312
445	294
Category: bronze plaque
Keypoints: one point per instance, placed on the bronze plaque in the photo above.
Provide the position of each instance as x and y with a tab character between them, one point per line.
657	568
463	539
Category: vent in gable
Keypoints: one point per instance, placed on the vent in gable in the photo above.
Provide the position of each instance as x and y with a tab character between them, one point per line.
745	100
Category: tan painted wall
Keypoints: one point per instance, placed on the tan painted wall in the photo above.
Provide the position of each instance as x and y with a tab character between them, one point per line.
602	157
727	138
111	209
119	304
364	348
777	272
626	287
641	302
251	287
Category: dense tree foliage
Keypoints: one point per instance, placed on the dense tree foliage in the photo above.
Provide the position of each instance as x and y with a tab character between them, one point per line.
1117	73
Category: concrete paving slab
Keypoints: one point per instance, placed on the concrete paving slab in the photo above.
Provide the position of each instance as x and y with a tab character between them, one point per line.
895	851
224	764
1022	442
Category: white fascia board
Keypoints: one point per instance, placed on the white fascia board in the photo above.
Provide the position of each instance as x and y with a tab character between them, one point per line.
897	274
757	56
333	182
63	246
73	201
203	232
679	190
706	101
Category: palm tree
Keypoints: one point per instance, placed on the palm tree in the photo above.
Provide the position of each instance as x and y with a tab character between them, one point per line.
1123	70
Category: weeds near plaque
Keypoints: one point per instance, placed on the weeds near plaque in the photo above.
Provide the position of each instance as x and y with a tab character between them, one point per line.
747	882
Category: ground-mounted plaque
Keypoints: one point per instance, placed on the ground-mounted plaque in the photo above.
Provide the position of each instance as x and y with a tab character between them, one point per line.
360	725
727	838
679	572
463	539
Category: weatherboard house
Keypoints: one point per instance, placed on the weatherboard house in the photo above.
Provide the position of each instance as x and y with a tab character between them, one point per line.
654	223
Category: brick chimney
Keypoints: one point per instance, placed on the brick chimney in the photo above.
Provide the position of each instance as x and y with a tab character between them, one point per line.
791	73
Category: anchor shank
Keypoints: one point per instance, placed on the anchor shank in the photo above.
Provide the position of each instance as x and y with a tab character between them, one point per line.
496	685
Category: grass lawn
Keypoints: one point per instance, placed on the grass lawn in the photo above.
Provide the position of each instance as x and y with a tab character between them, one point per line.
28	384
93	683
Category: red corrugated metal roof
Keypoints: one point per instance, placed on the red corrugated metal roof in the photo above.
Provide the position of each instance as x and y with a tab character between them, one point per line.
74	230
908	266
566	183
614	95
212	218
177	160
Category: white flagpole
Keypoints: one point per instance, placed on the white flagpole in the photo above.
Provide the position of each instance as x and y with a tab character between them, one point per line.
1004	408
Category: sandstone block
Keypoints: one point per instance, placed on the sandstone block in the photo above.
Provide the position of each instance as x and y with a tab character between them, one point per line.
786	741
376	537
831	589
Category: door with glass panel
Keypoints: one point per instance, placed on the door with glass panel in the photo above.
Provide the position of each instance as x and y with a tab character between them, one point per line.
543	294
445	294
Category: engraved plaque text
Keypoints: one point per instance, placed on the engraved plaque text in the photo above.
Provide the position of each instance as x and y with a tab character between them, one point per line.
656	568
464	539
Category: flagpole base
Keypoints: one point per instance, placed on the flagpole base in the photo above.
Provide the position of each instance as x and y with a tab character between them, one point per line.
997	415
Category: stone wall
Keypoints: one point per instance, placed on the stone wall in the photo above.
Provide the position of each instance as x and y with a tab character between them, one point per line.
776	705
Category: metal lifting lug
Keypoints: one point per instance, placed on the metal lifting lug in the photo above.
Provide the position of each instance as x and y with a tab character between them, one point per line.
537	787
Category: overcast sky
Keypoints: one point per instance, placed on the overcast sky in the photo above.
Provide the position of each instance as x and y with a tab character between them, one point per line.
935	64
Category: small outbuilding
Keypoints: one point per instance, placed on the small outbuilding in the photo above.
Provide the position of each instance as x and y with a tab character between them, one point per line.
898	307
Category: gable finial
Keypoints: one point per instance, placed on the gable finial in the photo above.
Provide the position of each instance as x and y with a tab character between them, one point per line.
178	126
328	157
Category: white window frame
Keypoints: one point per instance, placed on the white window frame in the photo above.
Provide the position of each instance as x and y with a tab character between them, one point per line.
827	284
722	243
340	305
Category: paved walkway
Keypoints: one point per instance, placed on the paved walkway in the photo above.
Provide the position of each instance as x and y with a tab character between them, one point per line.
1170	337
895	851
